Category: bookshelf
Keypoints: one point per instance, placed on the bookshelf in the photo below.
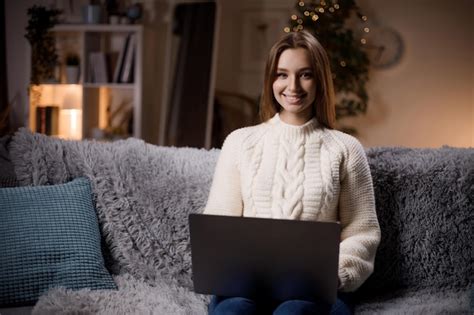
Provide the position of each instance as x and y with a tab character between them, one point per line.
106	100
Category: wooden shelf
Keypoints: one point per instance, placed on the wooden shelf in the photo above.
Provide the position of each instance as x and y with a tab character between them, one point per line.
95	85
95	101
109	85
97	28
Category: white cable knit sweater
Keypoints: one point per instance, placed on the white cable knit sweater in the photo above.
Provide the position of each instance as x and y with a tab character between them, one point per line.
277	170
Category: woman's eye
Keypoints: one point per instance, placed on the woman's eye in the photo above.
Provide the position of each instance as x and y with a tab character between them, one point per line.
281	75
306	75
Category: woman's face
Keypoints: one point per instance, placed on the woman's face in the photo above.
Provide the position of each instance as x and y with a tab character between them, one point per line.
295	87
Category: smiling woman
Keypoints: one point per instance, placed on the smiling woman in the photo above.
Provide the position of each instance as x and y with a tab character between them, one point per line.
295	166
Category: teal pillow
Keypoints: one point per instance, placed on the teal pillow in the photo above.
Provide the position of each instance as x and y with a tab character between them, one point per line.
49	237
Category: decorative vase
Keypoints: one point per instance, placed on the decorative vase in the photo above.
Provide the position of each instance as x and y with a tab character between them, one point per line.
72	74
91	14
134	12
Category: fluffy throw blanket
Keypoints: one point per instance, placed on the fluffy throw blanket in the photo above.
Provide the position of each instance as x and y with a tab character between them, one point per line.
144	194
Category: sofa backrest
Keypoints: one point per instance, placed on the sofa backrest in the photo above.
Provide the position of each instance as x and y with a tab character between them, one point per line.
424	206
145	193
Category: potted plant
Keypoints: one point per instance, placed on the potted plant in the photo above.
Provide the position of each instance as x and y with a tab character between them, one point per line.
43	47
72	68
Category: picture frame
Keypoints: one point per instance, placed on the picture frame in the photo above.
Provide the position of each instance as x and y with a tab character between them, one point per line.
72	10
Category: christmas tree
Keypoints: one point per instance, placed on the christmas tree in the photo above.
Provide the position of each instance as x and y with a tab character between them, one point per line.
330	21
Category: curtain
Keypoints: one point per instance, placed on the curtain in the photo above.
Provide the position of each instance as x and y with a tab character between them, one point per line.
188	106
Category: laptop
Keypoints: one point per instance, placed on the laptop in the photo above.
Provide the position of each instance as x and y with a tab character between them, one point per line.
264	258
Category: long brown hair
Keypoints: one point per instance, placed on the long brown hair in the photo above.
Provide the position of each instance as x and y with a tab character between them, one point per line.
323	107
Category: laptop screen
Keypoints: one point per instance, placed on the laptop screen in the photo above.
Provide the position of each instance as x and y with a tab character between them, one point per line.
264	258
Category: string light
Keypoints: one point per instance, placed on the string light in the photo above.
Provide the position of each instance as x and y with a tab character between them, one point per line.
343	63
363	40
313	10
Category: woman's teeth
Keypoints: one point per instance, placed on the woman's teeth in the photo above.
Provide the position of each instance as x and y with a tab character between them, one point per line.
293	98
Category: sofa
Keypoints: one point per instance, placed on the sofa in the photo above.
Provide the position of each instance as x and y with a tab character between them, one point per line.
142	195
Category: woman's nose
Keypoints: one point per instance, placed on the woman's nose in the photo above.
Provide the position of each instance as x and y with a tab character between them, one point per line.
294	84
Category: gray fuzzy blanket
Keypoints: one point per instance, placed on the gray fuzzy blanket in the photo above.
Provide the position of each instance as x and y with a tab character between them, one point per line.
144	194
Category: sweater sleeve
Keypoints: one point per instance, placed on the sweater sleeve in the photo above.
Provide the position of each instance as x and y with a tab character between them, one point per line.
225	197
360	235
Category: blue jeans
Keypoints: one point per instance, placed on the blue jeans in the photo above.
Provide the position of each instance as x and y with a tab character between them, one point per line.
244	306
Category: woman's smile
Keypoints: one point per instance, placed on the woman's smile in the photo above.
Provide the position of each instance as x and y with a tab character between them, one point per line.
294	99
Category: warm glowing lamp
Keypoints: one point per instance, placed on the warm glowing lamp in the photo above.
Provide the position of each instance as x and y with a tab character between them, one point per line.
70	115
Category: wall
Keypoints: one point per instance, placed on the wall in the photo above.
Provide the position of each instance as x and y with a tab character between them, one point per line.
233	71
18	62
427	99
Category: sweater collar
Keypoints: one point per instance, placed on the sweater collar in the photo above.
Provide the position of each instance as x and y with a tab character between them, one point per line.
293	130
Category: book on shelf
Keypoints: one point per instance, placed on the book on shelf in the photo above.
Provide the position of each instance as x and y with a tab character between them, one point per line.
112	62
120	61
127	71
98	67
47	119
